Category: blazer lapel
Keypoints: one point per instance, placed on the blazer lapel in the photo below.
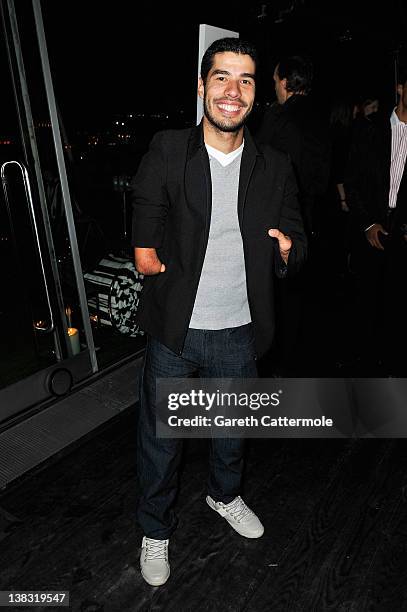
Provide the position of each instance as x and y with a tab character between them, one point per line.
197	175
249	156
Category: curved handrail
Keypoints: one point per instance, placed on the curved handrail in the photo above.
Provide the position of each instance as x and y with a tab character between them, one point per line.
28	193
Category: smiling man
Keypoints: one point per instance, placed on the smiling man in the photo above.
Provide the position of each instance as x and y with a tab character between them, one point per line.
227	105
214	219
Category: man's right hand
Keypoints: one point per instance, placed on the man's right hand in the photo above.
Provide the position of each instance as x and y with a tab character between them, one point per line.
147	262
372	235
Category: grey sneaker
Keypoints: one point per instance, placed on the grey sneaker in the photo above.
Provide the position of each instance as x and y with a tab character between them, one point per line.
239	516
154	564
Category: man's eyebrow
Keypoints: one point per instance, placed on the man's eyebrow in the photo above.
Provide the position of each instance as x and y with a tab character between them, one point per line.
243	74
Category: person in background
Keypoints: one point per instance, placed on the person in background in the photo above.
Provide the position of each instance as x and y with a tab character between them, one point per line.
376	187
294	125
336	221
368	107
341	120
215	216
367	115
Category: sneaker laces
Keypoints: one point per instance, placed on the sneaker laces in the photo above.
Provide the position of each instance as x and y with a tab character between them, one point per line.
238	509
156	549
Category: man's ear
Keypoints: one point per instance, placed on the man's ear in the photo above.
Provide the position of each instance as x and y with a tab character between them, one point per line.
201	88
284	83
400	89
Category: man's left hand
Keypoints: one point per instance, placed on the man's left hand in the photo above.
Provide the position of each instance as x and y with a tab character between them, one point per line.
284	243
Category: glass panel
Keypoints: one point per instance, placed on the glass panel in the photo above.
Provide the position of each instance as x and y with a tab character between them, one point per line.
104	143
48	195
23	306
41	322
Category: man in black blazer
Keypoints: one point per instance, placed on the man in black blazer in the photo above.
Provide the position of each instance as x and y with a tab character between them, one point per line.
292	125
377	187
214	218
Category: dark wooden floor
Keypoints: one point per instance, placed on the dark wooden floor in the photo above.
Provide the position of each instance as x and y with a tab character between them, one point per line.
335	530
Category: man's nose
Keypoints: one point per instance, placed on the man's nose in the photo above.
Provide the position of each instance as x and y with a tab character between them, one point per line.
233	89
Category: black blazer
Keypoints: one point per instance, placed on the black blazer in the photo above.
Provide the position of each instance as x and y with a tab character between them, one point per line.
171	197
295	128
368	176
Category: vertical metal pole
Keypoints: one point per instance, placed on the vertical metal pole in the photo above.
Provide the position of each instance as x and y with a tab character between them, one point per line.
37	165
13	80
66	197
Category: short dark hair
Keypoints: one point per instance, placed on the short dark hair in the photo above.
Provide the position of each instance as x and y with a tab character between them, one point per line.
298	71
234	45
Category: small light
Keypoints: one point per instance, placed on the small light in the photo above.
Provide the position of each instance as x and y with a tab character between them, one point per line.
40	324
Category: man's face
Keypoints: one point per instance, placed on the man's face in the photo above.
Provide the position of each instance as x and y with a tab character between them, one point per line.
371	108
280	87
228	93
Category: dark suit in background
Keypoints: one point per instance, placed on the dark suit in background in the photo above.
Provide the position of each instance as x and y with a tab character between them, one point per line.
295	128
381	325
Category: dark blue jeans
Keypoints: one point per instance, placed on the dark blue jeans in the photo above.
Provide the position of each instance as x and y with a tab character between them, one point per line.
225	353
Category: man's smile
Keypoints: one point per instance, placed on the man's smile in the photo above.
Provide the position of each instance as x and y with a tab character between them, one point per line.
229	108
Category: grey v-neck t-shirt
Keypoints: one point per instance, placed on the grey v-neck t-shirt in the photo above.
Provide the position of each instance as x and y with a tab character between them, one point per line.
221	300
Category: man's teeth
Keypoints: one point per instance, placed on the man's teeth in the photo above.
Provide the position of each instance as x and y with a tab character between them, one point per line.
229	107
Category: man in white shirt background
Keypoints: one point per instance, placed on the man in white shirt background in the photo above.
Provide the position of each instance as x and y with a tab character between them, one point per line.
377	196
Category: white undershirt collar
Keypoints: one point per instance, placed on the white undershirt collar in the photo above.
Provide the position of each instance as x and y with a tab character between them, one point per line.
224	158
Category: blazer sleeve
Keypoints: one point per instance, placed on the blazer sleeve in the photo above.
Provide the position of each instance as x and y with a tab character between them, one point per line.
149	196
291	223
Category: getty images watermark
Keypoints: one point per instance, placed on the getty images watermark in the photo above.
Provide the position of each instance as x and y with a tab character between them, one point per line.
219	400
276	408
237	408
